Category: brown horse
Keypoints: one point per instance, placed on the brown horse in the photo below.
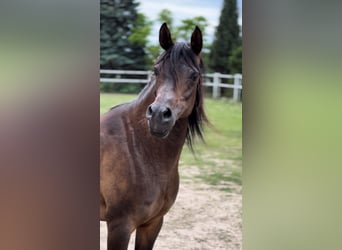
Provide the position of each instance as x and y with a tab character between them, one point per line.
141	143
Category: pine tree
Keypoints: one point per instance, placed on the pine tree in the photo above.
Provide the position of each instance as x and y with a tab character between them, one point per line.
235	61
117	18
227	38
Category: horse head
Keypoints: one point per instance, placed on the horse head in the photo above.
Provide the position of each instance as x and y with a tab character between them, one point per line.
177	76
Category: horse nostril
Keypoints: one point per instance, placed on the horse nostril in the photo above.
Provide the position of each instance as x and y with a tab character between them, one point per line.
159	112
167	113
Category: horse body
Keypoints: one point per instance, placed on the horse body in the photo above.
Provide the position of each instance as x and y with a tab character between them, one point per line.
141	143
127	156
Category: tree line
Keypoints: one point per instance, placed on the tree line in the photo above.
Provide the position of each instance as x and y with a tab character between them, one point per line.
124	37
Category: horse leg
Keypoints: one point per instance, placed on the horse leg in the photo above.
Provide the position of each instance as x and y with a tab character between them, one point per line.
118	235
146	234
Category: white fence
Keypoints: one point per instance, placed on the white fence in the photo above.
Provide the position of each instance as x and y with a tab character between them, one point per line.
213	80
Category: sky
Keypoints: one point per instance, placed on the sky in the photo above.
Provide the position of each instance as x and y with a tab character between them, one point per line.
182	9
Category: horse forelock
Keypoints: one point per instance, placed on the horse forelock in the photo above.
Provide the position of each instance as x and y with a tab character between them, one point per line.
180	52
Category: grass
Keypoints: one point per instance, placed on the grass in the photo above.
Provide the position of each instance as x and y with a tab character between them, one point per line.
218	161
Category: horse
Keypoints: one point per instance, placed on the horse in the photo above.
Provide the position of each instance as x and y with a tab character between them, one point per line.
141	143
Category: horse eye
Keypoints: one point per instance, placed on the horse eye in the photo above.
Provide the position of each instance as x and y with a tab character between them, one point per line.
194	76
155	71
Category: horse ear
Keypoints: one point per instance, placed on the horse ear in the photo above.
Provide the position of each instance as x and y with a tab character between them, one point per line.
196	41
165	39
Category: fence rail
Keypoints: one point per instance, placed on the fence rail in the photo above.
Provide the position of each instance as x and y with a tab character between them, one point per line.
213	80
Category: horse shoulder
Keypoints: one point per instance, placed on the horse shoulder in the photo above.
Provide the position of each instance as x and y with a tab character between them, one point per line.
113	156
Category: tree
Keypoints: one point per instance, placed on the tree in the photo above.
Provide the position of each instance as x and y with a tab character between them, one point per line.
185	30
122	45
140	31
165	16
227	38
235	61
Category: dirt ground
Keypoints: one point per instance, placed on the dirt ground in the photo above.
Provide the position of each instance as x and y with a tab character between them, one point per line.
202	218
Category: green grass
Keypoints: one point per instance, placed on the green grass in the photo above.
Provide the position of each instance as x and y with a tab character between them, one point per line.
218	161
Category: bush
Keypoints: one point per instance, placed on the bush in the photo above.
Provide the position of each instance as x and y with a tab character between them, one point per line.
125	88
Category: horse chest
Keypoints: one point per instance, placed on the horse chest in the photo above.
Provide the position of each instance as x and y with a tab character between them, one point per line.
157	194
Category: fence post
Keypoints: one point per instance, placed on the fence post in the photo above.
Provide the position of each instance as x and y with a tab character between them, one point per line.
236	90
216	87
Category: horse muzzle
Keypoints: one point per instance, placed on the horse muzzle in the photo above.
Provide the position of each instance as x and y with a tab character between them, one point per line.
160	120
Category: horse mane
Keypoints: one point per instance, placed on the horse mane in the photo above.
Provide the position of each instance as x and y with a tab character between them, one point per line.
197	119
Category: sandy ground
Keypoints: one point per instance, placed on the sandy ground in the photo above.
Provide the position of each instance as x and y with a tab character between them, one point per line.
203	217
